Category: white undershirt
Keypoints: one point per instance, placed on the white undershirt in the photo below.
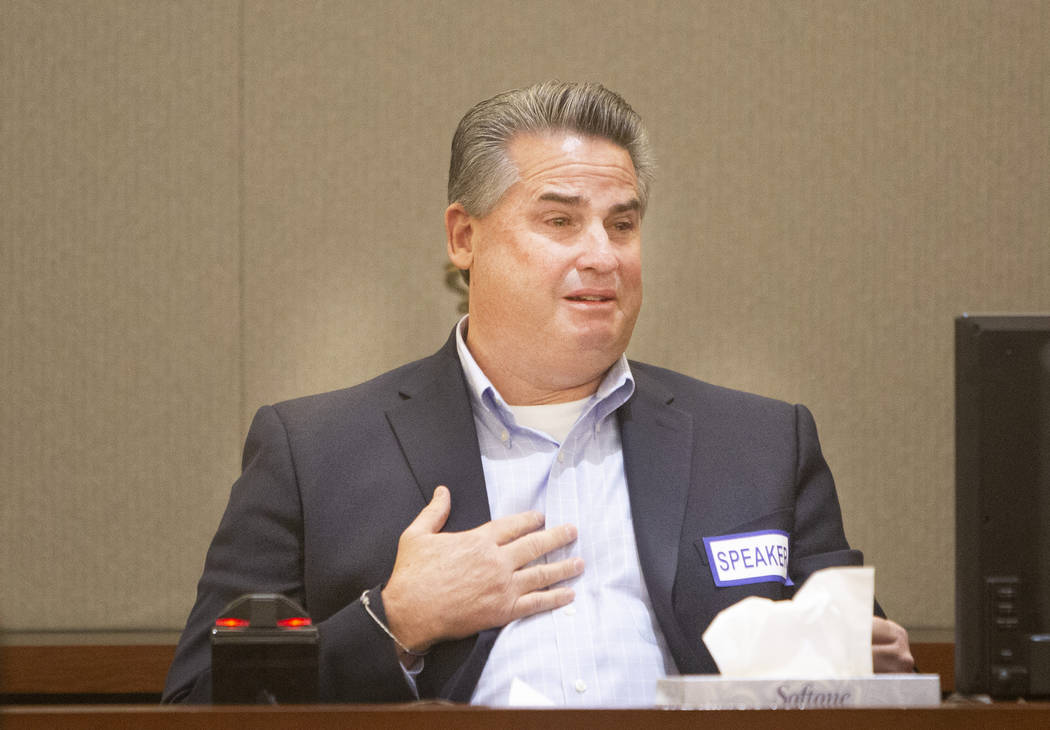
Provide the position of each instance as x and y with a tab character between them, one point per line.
556	419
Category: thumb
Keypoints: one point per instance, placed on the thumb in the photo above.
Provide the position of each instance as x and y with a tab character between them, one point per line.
432	518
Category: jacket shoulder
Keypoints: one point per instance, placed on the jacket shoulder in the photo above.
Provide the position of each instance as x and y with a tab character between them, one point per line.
686	392
374	395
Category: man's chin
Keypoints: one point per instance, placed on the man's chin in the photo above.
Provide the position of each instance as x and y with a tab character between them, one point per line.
605	344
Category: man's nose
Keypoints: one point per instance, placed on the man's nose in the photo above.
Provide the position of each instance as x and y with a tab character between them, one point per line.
597	251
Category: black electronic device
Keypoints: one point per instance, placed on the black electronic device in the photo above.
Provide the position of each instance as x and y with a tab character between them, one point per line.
1002	497
264	651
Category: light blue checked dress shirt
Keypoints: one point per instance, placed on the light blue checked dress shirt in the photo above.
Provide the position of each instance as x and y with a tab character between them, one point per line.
604	649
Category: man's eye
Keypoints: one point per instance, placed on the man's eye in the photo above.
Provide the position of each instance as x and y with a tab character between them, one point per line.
623	225
559	222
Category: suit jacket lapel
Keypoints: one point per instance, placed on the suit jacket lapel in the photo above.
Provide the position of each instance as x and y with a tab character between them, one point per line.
434	425
657	452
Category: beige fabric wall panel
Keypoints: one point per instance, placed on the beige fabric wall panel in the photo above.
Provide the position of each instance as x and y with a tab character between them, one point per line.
346	132
119	315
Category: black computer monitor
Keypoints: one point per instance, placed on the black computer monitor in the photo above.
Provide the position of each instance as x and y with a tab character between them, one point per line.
1002	513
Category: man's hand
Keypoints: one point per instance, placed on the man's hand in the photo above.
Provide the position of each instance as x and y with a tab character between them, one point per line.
890	651
451	585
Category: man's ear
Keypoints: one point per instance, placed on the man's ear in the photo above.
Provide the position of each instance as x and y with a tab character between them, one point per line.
459	226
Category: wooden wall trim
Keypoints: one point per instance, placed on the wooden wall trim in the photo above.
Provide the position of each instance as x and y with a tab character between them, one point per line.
936	658
84	669
127	669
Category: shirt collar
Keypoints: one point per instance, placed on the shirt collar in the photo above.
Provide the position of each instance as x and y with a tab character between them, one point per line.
615	389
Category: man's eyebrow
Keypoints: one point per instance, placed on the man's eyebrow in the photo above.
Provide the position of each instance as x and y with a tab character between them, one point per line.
632	204
560	198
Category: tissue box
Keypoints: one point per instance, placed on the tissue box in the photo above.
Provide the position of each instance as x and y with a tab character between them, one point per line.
713	692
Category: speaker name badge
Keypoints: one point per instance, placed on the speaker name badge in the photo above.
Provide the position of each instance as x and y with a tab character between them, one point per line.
748	557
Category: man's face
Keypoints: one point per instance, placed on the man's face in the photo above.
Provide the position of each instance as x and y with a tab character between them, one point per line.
555	267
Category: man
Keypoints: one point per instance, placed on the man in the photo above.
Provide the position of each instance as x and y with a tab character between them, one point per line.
526	509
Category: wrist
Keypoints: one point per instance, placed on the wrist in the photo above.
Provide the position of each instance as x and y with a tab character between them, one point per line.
409	648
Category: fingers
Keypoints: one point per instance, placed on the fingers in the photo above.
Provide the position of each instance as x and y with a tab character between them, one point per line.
521	535
537	544
890	650
540	601
884	659
532	584
509	528
432	517
882	630
538	577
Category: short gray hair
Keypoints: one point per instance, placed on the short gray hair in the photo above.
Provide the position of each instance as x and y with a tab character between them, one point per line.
480	171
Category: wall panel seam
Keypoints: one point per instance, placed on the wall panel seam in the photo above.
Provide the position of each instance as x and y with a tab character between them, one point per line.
241	243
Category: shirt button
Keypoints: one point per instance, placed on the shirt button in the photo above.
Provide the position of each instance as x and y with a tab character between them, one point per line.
580	686
569	610
561	457
503	435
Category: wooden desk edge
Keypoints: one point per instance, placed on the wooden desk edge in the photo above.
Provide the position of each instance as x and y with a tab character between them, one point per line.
458	717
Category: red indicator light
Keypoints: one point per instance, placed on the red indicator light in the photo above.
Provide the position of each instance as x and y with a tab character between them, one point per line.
231	623
294	623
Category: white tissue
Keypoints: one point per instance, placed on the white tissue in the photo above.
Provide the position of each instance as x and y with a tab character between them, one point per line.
823	632
522	694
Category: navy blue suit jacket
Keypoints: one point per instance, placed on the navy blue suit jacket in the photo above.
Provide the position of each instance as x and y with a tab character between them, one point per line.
330	481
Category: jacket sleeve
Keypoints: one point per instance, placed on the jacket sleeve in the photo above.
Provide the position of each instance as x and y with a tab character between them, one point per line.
818	540
259	548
